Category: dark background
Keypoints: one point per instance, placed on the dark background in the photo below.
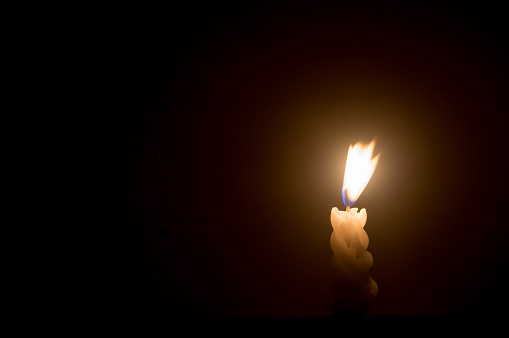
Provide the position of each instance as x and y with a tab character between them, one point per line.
222	140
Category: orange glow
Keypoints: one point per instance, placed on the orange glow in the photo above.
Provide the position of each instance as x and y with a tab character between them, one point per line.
360	166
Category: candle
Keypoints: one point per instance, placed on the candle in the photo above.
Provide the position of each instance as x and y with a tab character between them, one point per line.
352	287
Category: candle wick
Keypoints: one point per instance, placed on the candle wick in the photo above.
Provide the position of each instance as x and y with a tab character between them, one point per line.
348	208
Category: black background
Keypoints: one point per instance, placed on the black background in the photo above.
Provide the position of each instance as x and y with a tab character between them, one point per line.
222	140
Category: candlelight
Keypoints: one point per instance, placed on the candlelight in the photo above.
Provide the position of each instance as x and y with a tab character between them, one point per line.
360	166
352	286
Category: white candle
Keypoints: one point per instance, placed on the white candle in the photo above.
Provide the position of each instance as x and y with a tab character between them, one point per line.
351	261
352	286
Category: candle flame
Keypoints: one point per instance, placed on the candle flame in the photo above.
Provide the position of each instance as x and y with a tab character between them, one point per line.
360	166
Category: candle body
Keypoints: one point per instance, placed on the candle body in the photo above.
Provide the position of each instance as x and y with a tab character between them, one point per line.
352	287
